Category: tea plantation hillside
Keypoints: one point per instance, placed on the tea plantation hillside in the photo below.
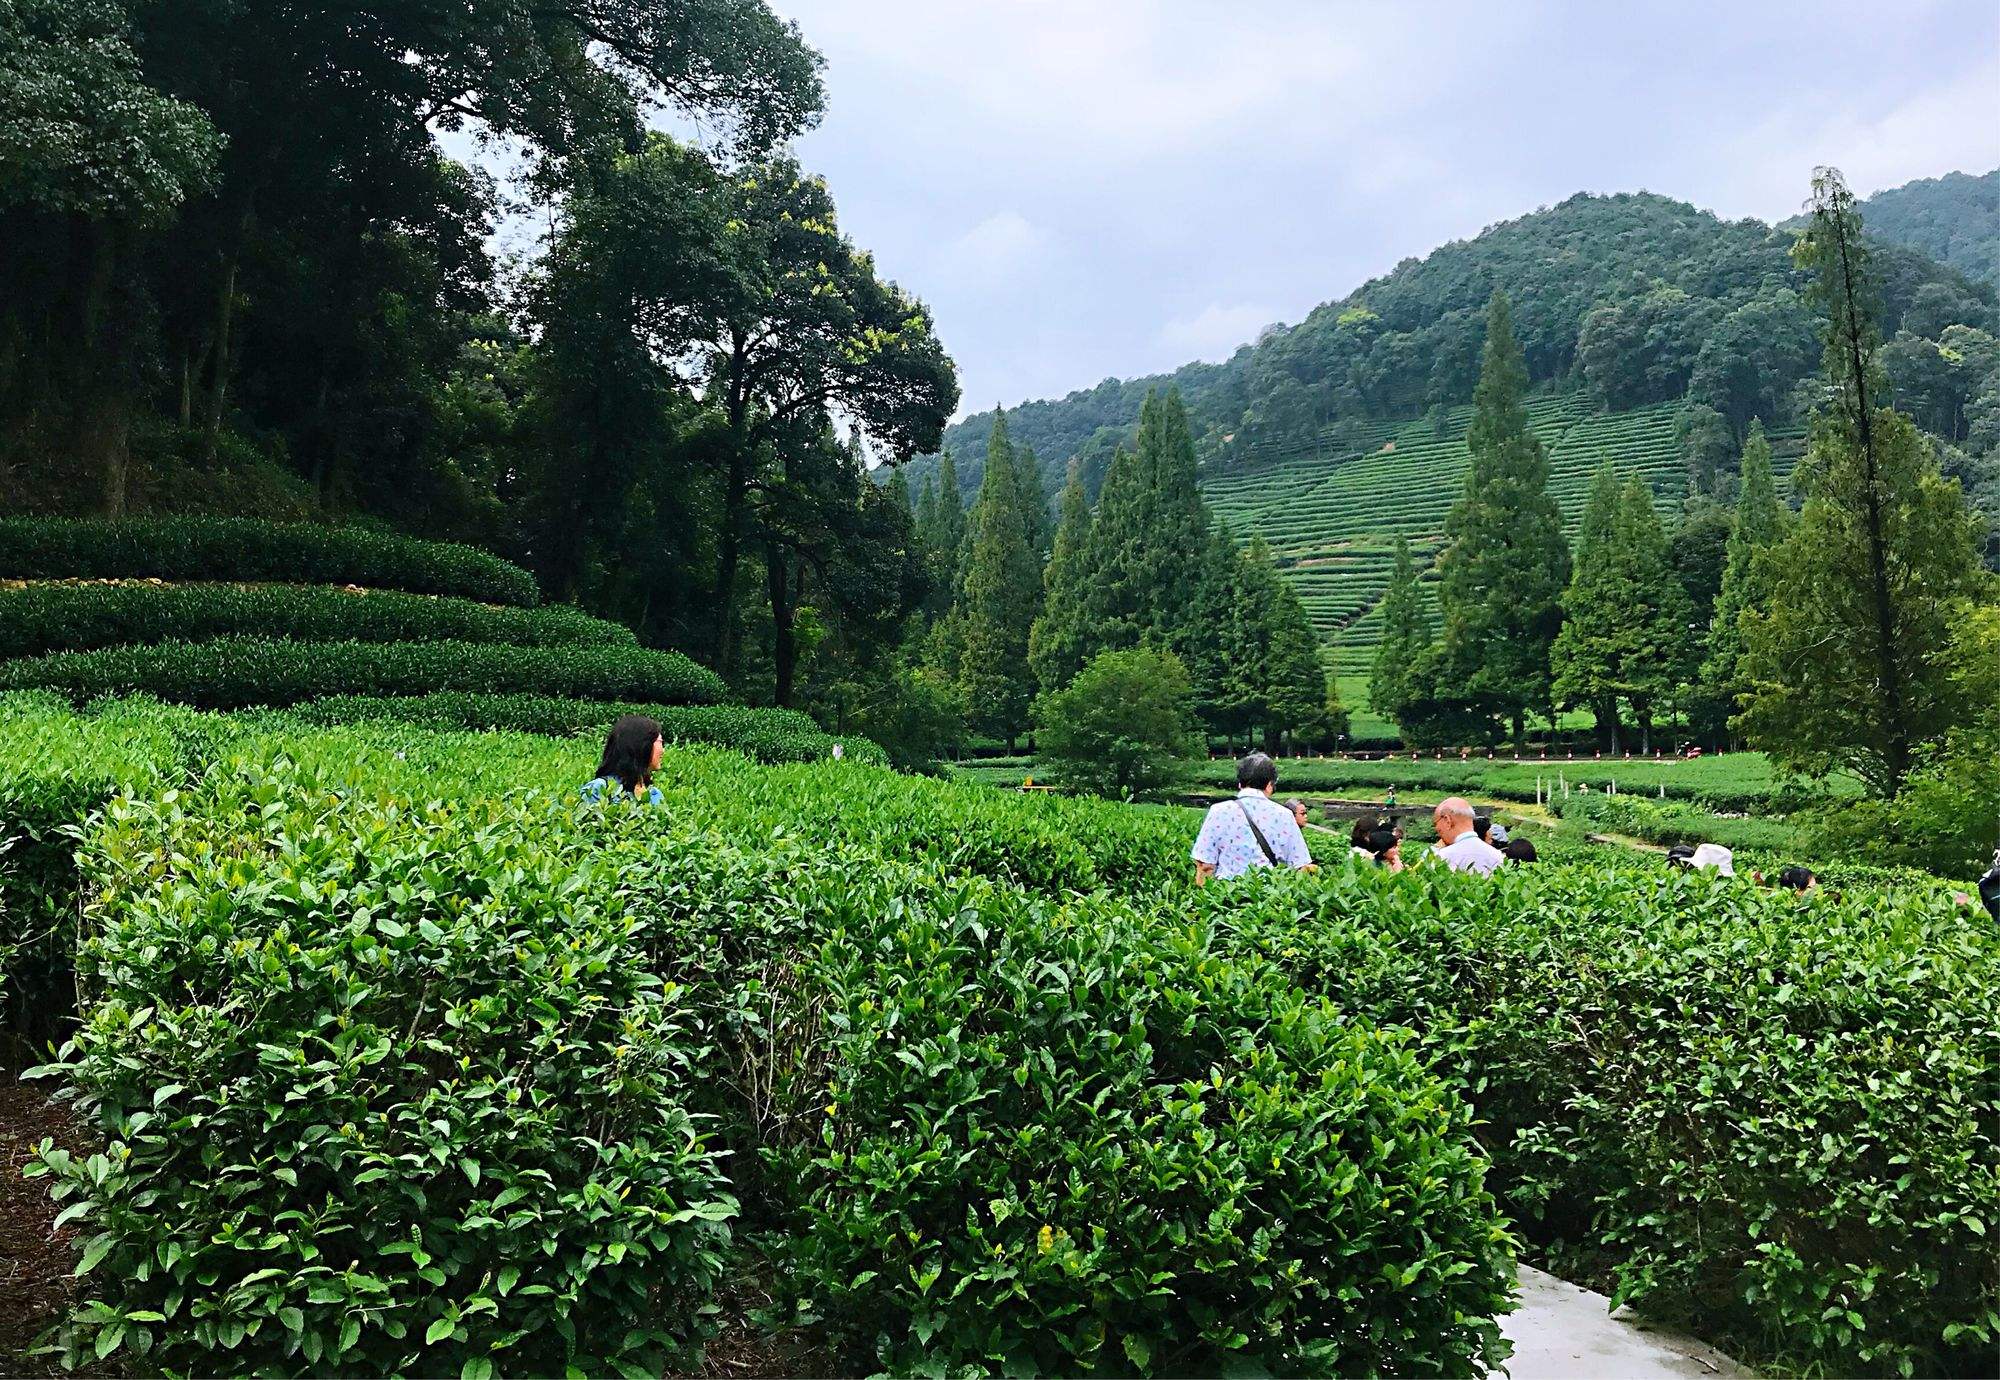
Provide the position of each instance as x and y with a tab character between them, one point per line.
1332	515
390	1055
223	613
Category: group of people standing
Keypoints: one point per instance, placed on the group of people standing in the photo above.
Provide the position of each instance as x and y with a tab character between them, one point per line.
1253	830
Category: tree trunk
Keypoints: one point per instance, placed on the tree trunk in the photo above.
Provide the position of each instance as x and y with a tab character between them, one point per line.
784	651
218	389
735	492
1520	727
1896	746
101	411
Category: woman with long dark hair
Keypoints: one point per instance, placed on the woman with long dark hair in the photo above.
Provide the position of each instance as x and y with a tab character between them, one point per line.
632	753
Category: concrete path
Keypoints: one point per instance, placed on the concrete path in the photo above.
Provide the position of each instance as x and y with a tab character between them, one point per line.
1562	1332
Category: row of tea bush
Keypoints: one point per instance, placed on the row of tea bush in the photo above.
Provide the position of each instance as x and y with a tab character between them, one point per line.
83	615
1772	1115
252	549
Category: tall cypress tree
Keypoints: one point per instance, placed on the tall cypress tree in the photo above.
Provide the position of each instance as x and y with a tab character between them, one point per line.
1116	605
1591	648
1844	663
1295	695
1213	634
1034	501
1056	644
997	607
1659	655
1506	564
1176	526
1396	681
1761	520
898	489
1249	670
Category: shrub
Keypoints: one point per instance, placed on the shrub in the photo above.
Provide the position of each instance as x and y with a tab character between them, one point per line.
1773	1115
1069	1141
1669	822
769	735
231	672
220	548
40	618
1121	726
371	1112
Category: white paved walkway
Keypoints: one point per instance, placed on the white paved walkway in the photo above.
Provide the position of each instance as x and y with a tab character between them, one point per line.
1562	1332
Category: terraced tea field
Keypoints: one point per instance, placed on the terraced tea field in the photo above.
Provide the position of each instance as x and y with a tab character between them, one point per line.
1332	517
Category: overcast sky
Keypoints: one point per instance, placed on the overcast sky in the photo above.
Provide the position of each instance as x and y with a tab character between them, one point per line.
1083	188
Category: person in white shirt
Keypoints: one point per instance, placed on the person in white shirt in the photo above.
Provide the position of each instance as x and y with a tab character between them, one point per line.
1252	830
1458	846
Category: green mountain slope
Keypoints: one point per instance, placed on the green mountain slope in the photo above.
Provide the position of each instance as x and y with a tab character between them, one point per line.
1955	219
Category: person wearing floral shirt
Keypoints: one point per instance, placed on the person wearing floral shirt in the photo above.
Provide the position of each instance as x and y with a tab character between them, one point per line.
1250	831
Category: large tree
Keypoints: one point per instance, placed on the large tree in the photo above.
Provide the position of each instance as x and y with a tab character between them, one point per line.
997	608
1055	646
1396	679
1760	521
1845	666
1591	649
1505	563
1660	651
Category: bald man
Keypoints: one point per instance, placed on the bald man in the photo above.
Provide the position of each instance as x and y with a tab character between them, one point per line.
1458	845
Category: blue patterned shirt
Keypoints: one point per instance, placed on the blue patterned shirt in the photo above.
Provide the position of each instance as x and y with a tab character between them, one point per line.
1226	844
594	791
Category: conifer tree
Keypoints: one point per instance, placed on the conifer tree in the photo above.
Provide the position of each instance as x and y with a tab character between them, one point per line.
1210	644
1591	648
1034	501
1116	607
1506	564
1056	644
1249	673
1396	681
1844	665
898	489
1660	654
1295	695
997	606
1761	521
1177	521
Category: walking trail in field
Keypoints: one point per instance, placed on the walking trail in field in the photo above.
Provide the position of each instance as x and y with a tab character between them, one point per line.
1563	1332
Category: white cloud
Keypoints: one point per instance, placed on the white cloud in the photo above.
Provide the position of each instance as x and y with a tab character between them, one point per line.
992	253
1214	332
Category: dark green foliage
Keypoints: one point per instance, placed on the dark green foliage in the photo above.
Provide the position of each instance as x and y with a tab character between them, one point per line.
768	735
46	617
373	1118
1121	726
1505	563
1396	683
232	672
190	548
1760	522
1061	1142
1770	1115
1843	665
1056	644
1955	219
1001	596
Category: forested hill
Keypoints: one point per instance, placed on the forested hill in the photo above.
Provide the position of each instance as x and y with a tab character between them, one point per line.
1635	298
1955	219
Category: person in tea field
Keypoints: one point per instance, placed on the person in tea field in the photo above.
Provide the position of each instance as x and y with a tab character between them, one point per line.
632	752
1386	848
1251	830
1458	847
1300	813
1364	829
1520	851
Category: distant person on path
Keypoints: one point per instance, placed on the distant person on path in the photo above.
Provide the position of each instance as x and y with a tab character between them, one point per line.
1252	830
1458	846
632	753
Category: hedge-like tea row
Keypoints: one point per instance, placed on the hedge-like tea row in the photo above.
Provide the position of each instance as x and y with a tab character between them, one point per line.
304	1030
78	616
1776	1117
231	672
768	735
222	548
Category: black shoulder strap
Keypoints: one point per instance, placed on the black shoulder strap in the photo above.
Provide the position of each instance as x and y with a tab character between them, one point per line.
1255	832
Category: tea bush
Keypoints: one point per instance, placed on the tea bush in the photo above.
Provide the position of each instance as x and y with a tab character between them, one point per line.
1067	1141
225	548
769	735
232	672
385	1088
78	616
1773	1115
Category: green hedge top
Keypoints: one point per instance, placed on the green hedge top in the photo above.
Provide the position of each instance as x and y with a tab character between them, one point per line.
768	735
233	672
81	615
212	548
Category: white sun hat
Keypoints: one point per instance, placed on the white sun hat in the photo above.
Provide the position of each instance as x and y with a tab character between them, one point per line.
1716	856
